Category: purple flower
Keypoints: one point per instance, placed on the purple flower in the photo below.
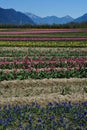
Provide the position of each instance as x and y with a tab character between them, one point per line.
39	120
27	127
85	113
50	104
61	119
1	121
52	117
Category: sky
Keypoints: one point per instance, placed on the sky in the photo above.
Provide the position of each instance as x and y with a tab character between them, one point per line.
59	8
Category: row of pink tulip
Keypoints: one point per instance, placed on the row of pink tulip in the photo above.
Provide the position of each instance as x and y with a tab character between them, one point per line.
38	31
45	39
26	63
30	60
48	69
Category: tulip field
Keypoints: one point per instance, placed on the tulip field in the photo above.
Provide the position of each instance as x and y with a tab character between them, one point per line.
43	79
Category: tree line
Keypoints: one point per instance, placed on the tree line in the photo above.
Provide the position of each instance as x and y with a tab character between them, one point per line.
44	26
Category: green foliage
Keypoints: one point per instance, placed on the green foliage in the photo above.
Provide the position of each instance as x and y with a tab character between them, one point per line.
68	25
23	74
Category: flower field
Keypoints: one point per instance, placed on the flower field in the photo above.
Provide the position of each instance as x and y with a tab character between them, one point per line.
61	116
43	83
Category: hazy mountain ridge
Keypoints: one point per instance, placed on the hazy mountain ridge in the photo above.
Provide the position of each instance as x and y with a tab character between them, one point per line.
82	18
11	16
50	19
56	20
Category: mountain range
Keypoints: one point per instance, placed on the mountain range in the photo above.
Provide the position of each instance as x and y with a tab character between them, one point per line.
82	18
11	16
50	19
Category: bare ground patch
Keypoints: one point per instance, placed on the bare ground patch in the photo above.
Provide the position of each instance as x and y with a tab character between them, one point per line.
43	99
46	90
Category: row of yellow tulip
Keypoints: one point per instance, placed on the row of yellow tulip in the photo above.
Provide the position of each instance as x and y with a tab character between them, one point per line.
45	43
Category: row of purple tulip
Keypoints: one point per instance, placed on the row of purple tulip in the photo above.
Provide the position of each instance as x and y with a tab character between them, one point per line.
37	31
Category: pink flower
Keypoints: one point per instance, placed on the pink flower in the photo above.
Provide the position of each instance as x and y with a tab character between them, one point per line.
77	68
